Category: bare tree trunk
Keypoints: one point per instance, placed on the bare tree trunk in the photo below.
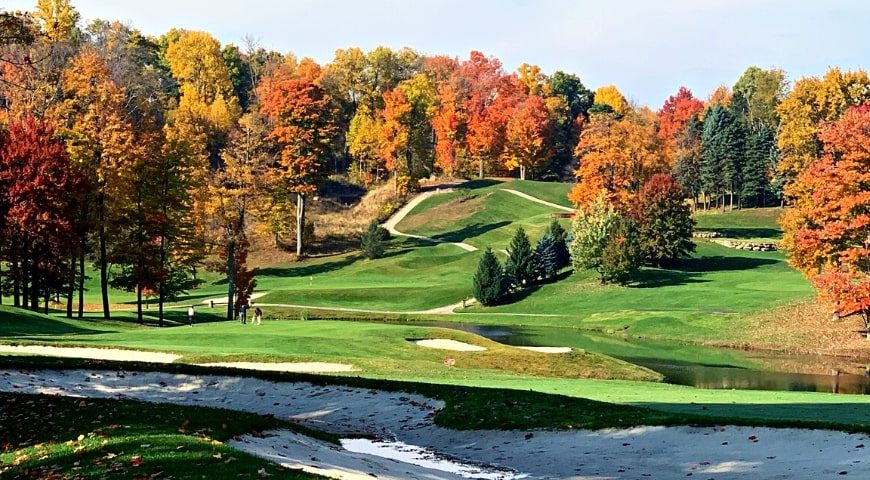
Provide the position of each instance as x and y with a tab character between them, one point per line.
480	172
300	221
104	263
81	311
71	288
139	303
16	275
231	280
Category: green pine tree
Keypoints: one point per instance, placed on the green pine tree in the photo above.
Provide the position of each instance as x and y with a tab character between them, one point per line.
760	149
488	281
560	236
723	139
546	261
374	241
520	266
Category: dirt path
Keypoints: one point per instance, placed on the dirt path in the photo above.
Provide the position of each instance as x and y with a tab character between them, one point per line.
397	217
643	452
538	200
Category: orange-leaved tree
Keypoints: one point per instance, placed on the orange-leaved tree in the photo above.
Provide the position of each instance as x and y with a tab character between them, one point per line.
527	140
827	232
305	128
617	156
674	115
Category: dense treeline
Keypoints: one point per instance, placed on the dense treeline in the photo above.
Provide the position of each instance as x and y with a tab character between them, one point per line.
150	157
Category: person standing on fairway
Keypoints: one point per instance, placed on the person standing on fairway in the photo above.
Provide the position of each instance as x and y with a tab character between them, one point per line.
258	315
243	314
190	314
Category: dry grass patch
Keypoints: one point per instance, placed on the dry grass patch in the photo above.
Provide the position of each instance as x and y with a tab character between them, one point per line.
806	328
445	214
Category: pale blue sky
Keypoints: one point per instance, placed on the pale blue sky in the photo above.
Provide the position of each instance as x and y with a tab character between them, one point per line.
647	48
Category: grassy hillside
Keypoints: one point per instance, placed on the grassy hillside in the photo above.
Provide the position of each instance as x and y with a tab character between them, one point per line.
748	223
483	216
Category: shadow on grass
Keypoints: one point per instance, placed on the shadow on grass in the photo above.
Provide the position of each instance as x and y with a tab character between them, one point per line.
850	417
740	232
722	264
479	183
653	278
38	326
306	270
470	231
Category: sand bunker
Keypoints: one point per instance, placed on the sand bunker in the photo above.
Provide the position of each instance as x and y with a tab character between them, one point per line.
91	353
445	344
725	452
548	349
294	367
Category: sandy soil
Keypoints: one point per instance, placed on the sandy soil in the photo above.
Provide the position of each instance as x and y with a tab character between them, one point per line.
644	452
445	344
297	367
548	349
91	353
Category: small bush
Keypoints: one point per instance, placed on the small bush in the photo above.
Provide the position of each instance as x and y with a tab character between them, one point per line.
622	255
374	241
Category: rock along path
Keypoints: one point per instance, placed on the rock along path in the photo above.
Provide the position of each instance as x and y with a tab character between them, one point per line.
721	453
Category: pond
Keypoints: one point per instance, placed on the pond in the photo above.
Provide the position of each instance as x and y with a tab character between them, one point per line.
694	365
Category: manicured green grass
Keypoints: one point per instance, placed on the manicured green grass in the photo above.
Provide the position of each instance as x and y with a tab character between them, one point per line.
703	299
747	223
482	217
553	192
376	349
43	436
414	275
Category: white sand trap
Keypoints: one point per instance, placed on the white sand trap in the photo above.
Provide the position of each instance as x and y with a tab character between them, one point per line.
723	453
445	344
91	353
548	349
293	367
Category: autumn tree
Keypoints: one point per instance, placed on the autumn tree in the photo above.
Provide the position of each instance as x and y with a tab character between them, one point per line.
238	190
490	99
813	101
664	221
527	140
305	129
760	92
827	230
364	145
617	156
59	19
102	143
677	111
39	200
611	96
208	105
